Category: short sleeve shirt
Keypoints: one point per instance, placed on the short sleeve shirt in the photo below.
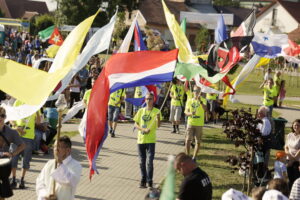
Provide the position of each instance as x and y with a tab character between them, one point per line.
295	191
178	93
115	97
279	169
269	94
196	185
28	123
138	92
86	96
147	119
193	105
293	143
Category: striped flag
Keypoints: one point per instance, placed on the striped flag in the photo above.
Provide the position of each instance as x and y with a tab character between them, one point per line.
122	70
246	27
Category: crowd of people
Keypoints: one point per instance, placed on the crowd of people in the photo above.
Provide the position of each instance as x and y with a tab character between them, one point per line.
185	102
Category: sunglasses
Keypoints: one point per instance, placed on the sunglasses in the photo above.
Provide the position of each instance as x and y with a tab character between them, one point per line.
3	115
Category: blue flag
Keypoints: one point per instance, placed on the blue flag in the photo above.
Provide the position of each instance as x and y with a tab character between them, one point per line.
220	31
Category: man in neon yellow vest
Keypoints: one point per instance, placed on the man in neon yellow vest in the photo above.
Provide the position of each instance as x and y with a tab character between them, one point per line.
176	94
114	109
195	111
147	120
269	95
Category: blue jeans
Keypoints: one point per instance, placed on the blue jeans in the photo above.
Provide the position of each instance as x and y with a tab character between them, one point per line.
26	153
113	113
146	150
37	140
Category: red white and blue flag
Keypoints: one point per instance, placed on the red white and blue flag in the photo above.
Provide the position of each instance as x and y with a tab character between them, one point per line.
139	44
122	70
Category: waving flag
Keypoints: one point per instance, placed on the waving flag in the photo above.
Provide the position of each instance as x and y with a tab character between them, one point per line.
246	28
139	44
185	51
122	70
33	85
56	38
269	46
220	31
145	90
292	49
46	33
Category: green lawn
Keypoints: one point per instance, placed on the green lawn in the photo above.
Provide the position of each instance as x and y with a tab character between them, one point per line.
252	83
213	153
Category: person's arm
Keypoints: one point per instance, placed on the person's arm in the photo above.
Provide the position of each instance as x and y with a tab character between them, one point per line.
204	106
67	176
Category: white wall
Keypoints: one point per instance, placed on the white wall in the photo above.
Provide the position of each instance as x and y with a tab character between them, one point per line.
284	21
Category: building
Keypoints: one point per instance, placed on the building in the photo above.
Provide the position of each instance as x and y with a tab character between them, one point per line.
279	17
22	9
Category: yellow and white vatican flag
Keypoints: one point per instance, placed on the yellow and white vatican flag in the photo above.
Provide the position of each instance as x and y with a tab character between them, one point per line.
33	86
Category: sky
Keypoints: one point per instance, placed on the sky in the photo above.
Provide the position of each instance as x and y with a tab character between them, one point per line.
50	3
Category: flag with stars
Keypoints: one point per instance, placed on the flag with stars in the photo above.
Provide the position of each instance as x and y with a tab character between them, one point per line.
56	38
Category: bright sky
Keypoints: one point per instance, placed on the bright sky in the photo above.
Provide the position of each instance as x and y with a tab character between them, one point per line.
50	3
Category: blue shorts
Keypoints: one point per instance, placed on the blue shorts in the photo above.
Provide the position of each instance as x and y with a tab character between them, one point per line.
113	113
26	154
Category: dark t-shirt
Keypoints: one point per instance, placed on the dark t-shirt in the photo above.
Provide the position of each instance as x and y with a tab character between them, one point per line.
196	186
12	136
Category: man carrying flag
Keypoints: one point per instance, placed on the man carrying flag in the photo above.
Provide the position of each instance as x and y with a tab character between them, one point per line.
146	121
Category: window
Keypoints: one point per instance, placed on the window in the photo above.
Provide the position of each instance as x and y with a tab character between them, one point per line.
274	17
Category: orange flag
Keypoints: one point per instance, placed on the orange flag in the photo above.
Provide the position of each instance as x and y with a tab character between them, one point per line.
56	38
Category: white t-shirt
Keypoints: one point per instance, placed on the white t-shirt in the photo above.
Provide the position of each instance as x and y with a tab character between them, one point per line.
279	169
267	76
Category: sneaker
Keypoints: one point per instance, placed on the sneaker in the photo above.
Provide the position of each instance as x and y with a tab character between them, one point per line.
113	134
13	184
178	131
143	184
174	131
150	184
22	185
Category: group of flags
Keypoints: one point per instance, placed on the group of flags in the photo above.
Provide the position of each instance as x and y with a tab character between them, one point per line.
139	68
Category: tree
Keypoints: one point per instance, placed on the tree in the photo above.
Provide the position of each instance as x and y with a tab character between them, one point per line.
202	39
72	12
41	22
226	3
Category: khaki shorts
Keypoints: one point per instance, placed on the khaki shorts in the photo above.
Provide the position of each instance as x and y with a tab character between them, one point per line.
175	113
194	132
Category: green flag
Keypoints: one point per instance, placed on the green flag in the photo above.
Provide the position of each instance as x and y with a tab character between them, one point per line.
46	33
190	70
183	25
168	190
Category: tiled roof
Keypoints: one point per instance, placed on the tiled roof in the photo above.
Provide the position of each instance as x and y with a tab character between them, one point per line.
239	13
153	11
291	7
17	8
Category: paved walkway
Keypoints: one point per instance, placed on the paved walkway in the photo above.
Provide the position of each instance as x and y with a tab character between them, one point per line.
290	114
118	165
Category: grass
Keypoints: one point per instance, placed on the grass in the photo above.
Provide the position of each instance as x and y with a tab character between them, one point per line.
252	83
290	103
248	107
211	158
